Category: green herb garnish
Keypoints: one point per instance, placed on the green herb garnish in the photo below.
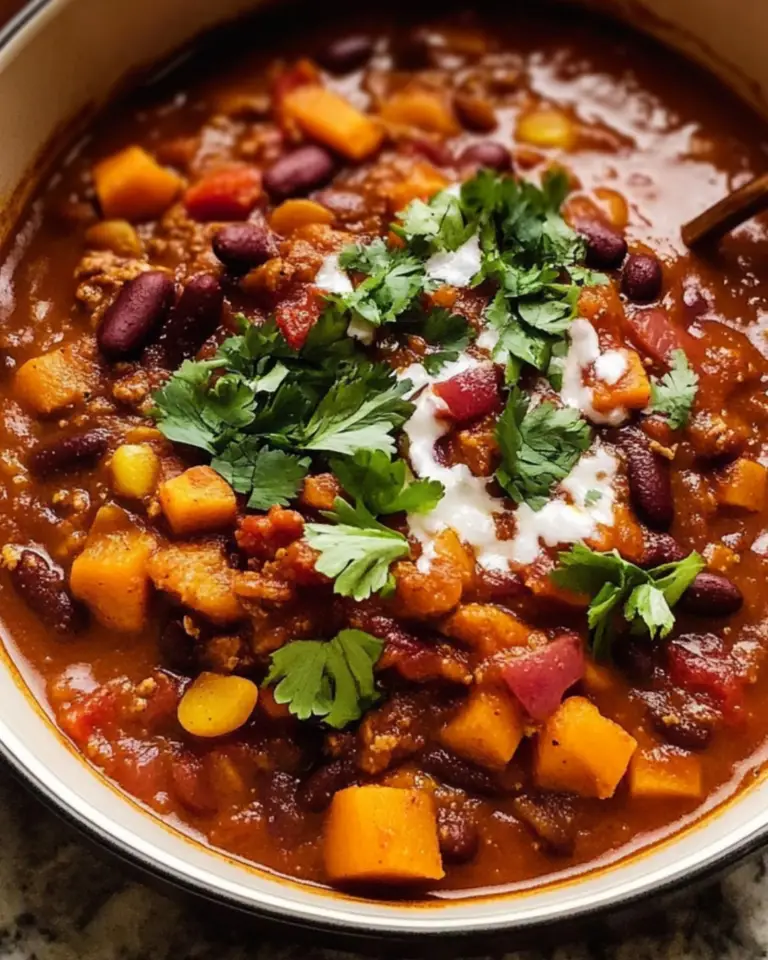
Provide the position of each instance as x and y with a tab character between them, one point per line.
675	392
332	680
643	598
385	486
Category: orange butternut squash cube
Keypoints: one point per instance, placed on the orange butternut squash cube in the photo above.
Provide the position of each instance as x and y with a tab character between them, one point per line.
659	773
632	390
131	185
428	110
423	182
198	500
580	751
54	380
110	576
292	214
199	577
379	834
329	118
487	729
486	629
743	485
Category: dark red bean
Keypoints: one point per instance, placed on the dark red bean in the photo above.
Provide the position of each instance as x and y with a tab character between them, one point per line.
412	50
344	204
550	818
459	773
696	299
135	315
679	719
487	153
192	784
42	587
641	278
457	834
317	791
495	586
347	53
242	246
650	485
712	595
194	318
437	152
68	453
606	247
661	548
177	650
300	171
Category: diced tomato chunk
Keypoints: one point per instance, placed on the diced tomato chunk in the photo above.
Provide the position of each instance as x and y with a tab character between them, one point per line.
262	536
471	394
700	663
80	719
192	783
295	318
540	678
656	335
229	193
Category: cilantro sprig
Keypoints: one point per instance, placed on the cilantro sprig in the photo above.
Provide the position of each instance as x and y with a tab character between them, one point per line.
385	486
539	446
675	392
620	590
332	680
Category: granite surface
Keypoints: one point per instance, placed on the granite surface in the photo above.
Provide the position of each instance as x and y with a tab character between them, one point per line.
61	901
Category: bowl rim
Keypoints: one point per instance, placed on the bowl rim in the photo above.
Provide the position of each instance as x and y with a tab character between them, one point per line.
290	910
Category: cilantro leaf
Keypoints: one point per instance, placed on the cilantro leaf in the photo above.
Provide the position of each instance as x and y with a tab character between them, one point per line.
191	409
539	447
358	414
332	680
675	392
645	597
269	476
383	486
394	278
437	224
450	331
357	551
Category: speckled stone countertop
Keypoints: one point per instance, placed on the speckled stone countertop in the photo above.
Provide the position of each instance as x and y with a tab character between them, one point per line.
61	901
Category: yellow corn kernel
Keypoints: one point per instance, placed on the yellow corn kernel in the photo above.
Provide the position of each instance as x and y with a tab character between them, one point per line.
115	235
547	127
215	705
135	467
292	214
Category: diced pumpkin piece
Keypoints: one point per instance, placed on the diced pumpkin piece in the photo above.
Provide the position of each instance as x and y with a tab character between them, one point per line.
487	729
379	834
423	182
198	500
199	577
449	547
292	214
54	380
663	774
632	390
131	185
111	574
614	205
743	485
547	127
580	751
115	235
319	492
428	110
624	535
134	467
329	118
485	628
215	705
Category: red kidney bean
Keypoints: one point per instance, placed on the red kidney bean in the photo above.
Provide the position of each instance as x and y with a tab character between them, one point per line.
347	53
344	204
712	595
487	153
437	152
457	834
549	818
679	720
317	791
42	587
696	299
177	650
195	317
242	246
661	548
459	773
300	171
68	453
412	50
136	313
641	278
192	784
650	485
606	247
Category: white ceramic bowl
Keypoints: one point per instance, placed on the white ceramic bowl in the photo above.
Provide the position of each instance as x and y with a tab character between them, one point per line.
61	58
